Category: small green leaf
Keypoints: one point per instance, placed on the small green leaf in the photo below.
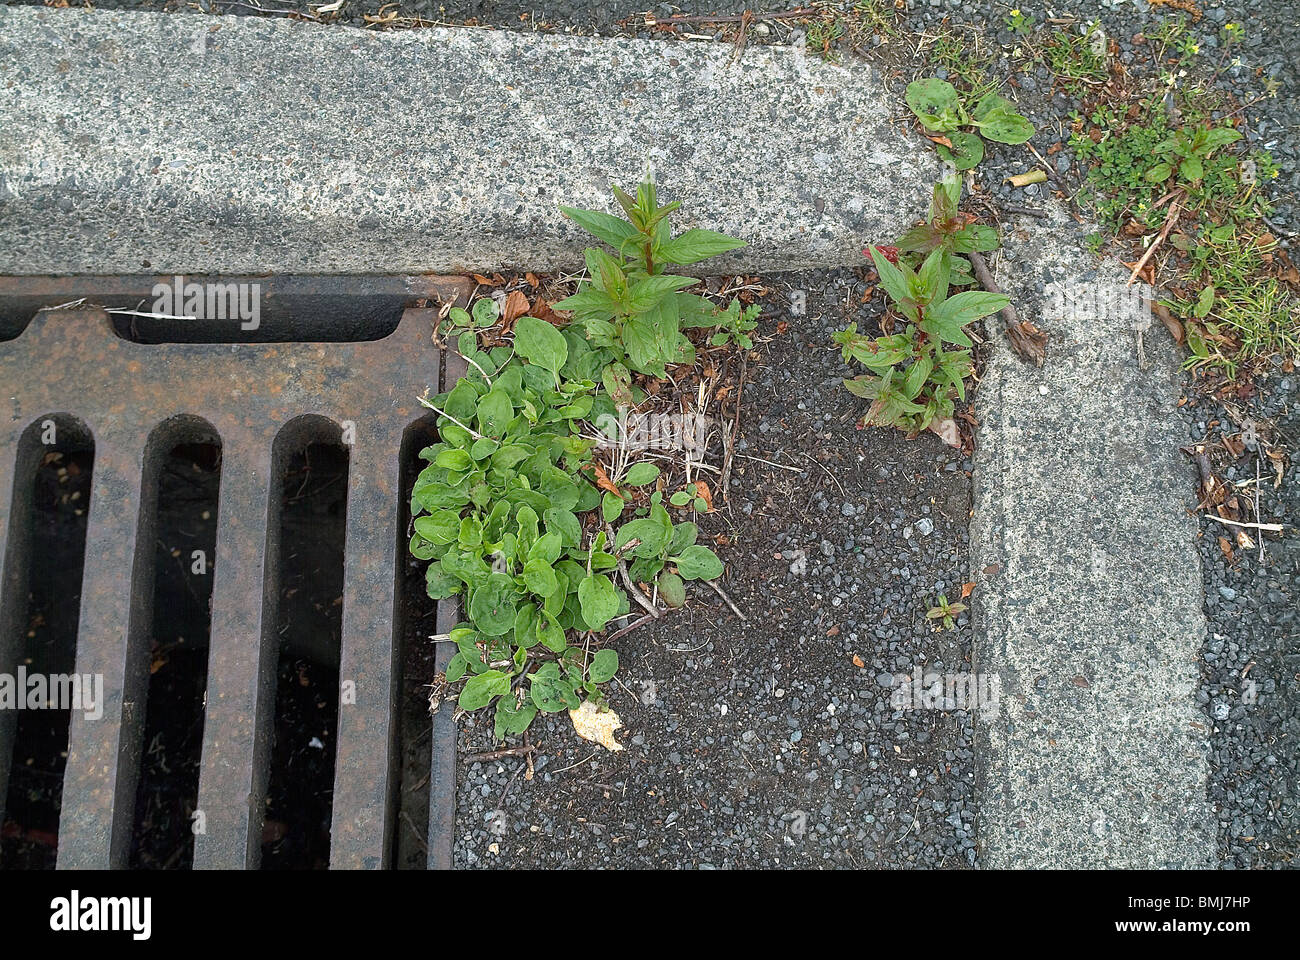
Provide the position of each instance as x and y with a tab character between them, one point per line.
540	343
967	150
603	666
479	690
455	667
494	411
492	605
650	533
485	312
539	578
598	599
698	563
441	526
998	120
545	696
1204	302
511	719
891	278
454	460
1006	127
604	227
1159	173
935	104
611	507
565	524
642	473
692	246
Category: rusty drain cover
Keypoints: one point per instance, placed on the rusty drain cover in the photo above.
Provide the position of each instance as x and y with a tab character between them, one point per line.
257	398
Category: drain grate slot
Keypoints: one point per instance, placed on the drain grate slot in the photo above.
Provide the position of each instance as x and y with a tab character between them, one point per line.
182	480
52	476
309	568
419	666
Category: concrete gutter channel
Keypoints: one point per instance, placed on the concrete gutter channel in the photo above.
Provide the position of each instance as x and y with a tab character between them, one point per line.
147	144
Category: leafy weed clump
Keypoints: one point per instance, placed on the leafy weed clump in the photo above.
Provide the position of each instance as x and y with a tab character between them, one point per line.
505	511
918	373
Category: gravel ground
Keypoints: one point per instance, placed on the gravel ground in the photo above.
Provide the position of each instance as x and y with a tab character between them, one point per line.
1272	33
1250	688
763	743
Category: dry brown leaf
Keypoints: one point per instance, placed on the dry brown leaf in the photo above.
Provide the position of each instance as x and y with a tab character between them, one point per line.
1147	273
1171	323
946	430
704	493
541	309
1226	546
603	481
857	662
1187	6
966	589
516	306
591	723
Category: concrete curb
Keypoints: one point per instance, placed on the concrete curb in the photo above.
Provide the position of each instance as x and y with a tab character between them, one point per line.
164	143
1089	605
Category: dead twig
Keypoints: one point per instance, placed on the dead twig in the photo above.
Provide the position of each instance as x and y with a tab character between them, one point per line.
498	754
1170	219
1047	167
1027	340
1266	527
731	603
632	588
630	627
1261	539
735	433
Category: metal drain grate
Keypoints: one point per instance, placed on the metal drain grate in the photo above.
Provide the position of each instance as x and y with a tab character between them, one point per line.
257	399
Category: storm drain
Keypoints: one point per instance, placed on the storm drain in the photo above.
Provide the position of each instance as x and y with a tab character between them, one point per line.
102	419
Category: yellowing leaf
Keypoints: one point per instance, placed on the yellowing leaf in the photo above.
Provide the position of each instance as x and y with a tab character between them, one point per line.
590	723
